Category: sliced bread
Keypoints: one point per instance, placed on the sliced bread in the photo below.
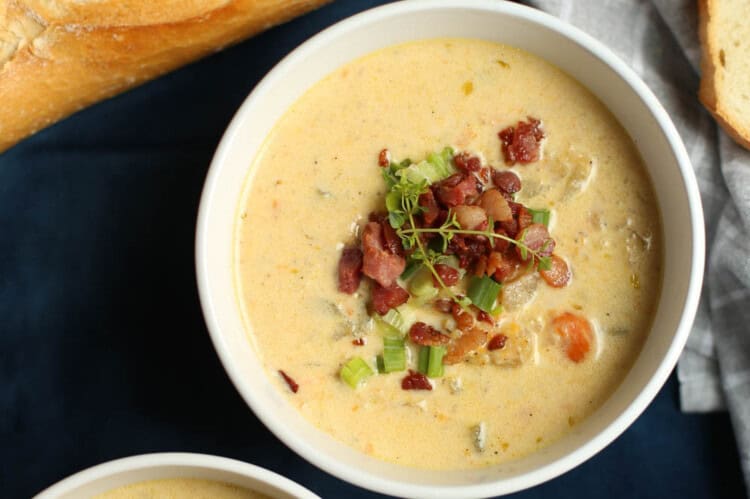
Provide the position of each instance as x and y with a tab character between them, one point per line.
725	64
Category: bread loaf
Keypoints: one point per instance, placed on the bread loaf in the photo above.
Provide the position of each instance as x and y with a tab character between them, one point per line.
58	56
724	27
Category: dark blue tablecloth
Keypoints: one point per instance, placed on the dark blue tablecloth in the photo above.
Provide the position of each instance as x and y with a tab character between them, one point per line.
103	349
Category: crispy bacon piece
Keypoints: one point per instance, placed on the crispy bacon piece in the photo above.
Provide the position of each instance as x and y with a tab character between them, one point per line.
466	162
485	317
448	274
359	342
500	244
506	181
497	342
386	298
424	334
378	262
558	275
470	340
464	320
293	386
509	268
456	189
520	144
444	305
415	381
430	208
537	239
384	158
350	270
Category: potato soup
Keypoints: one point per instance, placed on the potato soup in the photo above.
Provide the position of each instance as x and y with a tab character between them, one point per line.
181	488
448	254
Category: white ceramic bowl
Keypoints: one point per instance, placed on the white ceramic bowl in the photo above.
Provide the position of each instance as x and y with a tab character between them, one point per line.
129	470
568	48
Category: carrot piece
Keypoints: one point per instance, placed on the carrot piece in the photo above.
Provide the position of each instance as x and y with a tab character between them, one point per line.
558	274
576	333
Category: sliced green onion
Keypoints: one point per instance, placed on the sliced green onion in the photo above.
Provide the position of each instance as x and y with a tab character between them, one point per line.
394	319
424	360
540	216
483	292
384	327
411	268
431	361
421	284
379	362
355	371
394	353
497	310
408	316
435	361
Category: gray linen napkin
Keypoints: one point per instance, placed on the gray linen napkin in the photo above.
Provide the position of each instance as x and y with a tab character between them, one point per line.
659	39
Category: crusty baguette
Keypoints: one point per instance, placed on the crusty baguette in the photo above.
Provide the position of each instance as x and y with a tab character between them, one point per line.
58	56
724	28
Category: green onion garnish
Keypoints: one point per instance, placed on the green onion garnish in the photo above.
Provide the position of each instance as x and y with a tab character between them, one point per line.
355	371
540	216
483	292
431	361
380	364
435	363
393	319
411	268
394	354
424	360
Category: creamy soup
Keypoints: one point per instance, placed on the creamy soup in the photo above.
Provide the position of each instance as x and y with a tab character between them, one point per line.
316	180
181	488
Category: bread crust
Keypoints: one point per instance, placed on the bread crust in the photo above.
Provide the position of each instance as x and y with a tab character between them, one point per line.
712	75
83	52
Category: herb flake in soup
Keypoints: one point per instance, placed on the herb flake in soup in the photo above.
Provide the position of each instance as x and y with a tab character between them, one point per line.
448	254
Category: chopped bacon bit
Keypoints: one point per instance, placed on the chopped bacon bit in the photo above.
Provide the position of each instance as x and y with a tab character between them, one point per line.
456	189
521	144
524	218
537	238
500	244
384	158
444	305
430	208
358	342
469	341
509	268
506	181
415	381
379	263
484	175
293	386
464	320
558	275
386	298
577	334
485	317
392	241
497	342
448	274
424	334
480	266
494	261
466	162
350	270
470	217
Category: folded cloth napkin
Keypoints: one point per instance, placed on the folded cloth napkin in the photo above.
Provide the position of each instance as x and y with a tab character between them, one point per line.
659	39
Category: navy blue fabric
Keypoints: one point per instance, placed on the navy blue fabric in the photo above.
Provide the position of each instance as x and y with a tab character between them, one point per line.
103	349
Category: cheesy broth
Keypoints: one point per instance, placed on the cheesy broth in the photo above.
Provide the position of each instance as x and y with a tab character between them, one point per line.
316	180
181	488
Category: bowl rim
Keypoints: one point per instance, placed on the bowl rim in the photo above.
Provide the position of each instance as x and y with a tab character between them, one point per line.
172	459
658	377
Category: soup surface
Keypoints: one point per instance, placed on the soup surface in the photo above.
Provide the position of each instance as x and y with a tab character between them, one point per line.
316	180
181	488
